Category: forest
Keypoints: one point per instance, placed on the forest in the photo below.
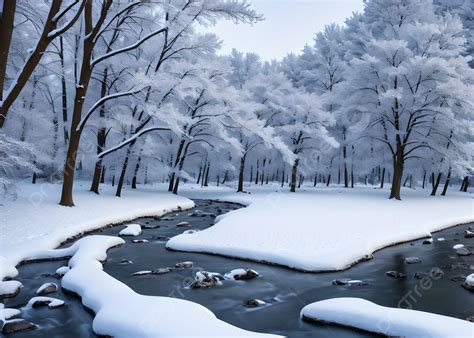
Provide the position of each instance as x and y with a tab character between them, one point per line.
130	92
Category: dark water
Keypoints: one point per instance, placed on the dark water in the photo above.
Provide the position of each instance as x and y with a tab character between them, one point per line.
284	290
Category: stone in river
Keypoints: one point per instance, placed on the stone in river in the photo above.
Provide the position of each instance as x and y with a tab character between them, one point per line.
138	241
348	281
47	288
126	262
254	302
428	241
458	278
421	275
205	280
468	234
241	274
464	252
470	319
184	265
183	224
396	274
412	260
16	325
161	271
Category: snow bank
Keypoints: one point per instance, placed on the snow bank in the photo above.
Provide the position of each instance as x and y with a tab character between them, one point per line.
35	221
326	229
361	314
121	312
131	230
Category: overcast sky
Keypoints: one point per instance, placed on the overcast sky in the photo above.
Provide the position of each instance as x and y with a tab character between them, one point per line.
288	25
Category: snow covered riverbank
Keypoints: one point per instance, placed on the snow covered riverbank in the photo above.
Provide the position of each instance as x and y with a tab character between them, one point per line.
325	229
34	221
393	322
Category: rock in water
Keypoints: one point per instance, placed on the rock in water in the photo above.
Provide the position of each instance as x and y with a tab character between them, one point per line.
468	234
428	241
36	302
348	281
184	265
469	283
458	278
47	288
205	280
458	246
412	260
470	319
161	271
138	241
421	275
183	224
396	274
463	252
241	274
16	325
254	303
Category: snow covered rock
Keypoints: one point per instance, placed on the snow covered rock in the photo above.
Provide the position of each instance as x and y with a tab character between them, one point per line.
412	260
62	271
396	274
428	241
364	315
254	303
16	325
131	230
348	281
204	280
190	232
126	262
47	288
458	246
9	288
241	274
441	239
43	301
142	273
468	234
463	252
139	241
421	275
469	282
184	265
458	278
183	224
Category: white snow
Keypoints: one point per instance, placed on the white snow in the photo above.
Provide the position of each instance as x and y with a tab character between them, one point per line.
458	246
44	286
131	230
238	272
62	270
7	313
121	312
325	229
52	302
364	315
35	221
10	287
470	280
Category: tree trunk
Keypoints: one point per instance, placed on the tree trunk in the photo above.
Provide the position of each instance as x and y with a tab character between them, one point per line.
446	184
328	181
240	187
382	179
206	177
6	31
424	180
135	173
294	171
123	172
63	90
171	182
436	184
199	175
81	91
398	166
283	178
466	184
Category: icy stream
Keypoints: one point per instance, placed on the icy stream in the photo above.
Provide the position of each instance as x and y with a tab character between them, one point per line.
284	291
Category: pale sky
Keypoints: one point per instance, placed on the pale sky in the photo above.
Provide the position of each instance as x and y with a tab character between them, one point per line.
288	25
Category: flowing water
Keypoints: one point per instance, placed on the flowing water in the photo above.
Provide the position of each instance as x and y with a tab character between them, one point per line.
285	291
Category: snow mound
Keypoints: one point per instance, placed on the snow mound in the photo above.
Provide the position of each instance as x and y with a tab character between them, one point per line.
51	302
121	312
131	230
470	280
361	314
325	230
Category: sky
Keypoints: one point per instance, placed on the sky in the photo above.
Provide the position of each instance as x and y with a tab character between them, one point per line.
288	25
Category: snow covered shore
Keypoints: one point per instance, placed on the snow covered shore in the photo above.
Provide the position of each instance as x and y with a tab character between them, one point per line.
393	322
35	221
325	229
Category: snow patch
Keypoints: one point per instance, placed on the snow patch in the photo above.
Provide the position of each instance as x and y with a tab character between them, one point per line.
361	314
131	230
